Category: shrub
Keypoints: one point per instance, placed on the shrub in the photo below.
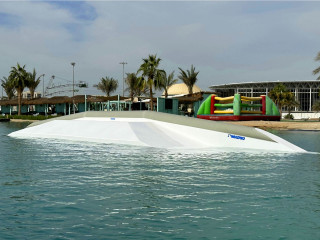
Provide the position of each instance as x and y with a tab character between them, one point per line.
27	117
289	116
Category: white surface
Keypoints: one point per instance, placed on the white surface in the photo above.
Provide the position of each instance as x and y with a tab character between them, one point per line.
147	132
303	115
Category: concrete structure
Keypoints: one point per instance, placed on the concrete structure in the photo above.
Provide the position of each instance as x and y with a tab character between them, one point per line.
306	93
159	130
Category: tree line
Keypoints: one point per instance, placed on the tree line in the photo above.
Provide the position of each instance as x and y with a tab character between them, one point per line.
19	79
149	77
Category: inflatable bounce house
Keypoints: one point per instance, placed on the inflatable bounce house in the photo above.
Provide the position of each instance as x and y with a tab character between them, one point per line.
238	108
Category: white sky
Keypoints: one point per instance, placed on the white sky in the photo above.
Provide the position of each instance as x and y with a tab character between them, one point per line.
227	42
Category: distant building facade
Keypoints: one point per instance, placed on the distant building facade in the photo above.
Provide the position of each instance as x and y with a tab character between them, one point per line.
27	95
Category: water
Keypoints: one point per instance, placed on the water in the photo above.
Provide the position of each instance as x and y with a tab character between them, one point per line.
68	190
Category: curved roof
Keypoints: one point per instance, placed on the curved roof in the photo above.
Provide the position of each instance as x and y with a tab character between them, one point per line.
181	89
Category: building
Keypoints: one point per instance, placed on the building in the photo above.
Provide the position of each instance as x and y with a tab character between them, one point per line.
179	100
27	94
181	89
63	105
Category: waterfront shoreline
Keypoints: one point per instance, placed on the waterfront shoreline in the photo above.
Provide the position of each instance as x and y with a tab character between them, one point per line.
282	125
23	120
294	125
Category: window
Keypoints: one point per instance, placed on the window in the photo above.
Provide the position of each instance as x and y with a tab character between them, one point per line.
168	103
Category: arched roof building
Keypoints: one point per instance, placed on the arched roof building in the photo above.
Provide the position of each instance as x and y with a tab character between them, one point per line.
181	89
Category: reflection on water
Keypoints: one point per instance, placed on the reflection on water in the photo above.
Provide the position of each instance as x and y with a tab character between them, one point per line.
67	190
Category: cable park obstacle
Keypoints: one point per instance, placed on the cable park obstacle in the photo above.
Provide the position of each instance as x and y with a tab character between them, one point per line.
156	130
239	108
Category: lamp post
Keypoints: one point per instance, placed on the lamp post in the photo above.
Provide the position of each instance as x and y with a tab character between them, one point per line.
123	63
42	85
73	63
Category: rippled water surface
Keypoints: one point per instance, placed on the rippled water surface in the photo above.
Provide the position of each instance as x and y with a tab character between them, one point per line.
70	190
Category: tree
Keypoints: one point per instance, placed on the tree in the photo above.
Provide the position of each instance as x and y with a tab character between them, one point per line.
107	85
19	78
135	85
291	103
8	87
166	82
150	71
142	88
317	70
281	96
316	106
33	82
189	77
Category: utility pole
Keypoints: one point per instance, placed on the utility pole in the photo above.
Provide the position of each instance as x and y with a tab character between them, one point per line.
73	106
73	63
123	63
42	85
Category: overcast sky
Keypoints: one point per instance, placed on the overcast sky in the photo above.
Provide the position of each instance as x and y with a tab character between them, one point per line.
227	42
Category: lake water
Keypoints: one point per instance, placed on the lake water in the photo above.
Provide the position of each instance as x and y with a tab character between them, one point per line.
69	190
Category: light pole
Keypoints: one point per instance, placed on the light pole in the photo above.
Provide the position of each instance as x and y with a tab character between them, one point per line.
42	85
123	63
73	63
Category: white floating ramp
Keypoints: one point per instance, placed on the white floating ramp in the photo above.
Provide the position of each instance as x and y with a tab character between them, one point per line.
153	129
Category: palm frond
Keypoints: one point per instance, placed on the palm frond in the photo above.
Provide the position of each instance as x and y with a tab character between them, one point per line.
317	57
316	71
189	78
107	85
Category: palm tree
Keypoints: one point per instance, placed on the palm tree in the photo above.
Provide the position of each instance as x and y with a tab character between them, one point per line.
135	84
33	82
19	78
8	87
291	102
317	70
167	82
189	77
142	88
150	71
281	96
107	85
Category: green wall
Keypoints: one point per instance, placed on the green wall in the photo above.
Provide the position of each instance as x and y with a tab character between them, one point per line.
61	108
5	109
161	106
40	108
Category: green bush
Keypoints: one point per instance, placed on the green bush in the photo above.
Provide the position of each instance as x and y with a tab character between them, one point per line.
289	116
28	117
